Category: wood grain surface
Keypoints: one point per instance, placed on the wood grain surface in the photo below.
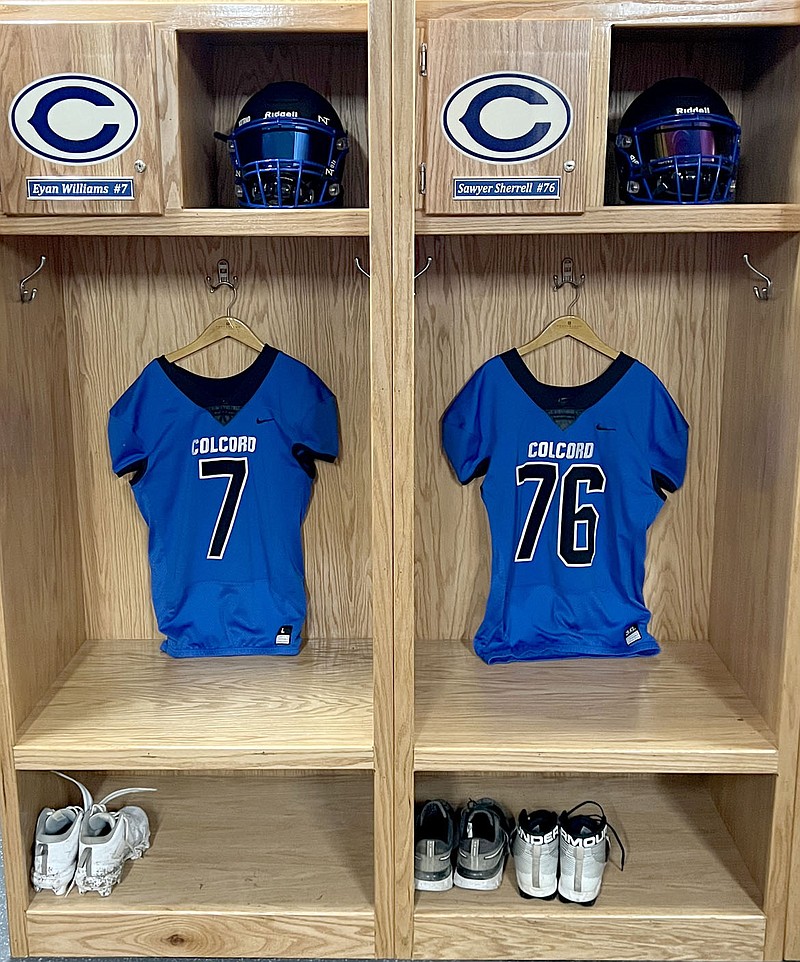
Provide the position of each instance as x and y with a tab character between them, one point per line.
202	223
459	50
243	890
734	218
131	300
624	715
34	50
120	705
658	299
661	12
340	16
684	894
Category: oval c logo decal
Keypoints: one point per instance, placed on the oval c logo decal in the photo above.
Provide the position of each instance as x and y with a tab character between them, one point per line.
507	118
74	119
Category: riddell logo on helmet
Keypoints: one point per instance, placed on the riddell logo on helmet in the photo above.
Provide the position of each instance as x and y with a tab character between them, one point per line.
280	113
692	110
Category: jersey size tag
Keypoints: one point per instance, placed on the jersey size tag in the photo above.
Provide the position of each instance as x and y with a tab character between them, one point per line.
284	636
632	634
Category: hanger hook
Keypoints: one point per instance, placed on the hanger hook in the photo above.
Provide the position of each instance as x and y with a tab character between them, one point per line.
360	267
575	299
762	293
25	295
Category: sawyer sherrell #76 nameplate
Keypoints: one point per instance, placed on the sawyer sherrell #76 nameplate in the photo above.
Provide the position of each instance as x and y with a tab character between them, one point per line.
80	188
506	188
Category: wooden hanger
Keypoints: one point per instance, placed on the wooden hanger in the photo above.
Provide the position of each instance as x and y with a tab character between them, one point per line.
569	325
218	330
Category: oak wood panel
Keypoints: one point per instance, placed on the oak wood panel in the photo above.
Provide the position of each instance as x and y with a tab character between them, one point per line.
35	50
596	113
658	299
459	50
748	218
666	12
233	70
290	15
130	300
382	543
769	168
641	57
123	705
404	58
589	938
680	711
202	223
41	613
193	151
757	558
208	935
168	83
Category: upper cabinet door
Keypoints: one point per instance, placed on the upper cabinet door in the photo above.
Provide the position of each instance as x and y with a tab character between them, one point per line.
505	116
80	103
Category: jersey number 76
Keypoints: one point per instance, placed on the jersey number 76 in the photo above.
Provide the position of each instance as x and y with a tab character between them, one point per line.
577	523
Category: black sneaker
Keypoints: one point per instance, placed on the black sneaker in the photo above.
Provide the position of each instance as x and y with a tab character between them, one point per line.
434	838
483	834
583	852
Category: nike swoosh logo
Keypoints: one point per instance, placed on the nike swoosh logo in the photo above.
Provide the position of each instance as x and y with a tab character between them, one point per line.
599	427
262	420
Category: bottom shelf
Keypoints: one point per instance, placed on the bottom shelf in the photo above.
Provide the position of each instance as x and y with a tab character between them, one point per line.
240	865
685	892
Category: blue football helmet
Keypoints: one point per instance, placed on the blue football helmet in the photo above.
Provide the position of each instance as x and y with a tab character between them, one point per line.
677	144
287	148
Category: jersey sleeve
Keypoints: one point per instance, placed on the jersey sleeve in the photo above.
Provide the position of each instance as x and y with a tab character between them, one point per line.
315	432
463	437
668	443
129	452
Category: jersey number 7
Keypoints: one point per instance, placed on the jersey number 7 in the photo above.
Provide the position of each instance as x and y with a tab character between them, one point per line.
235	470
577	523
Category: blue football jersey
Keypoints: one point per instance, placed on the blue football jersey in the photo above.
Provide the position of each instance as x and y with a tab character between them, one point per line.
572	479
222	470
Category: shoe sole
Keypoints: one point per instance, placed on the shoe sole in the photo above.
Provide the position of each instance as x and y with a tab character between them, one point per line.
544	896
104	890
568	901
434	885
480	884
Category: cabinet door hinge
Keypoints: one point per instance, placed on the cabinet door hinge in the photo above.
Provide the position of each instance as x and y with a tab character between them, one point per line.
423	177
423	60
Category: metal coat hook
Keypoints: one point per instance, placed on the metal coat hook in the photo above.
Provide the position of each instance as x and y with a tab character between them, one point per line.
224	280
567	276
762	293
25	295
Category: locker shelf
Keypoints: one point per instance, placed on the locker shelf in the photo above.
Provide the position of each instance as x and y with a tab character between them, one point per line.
239	865
679	712
202	222
730	218
684	892
124	704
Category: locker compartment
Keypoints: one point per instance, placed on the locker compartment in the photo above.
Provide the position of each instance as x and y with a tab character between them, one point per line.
754	69
684	886
218	72
239	865
82	643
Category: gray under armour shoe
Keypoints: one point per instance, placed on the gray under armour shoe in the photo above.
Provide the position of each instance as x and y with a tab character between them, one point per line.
535	850
434	838
483	835
584	850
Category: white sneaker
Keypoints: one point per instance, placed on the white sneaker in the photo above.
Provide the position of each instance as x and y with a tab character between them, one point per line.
584	850
107	841
535	851
55	849
58	838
